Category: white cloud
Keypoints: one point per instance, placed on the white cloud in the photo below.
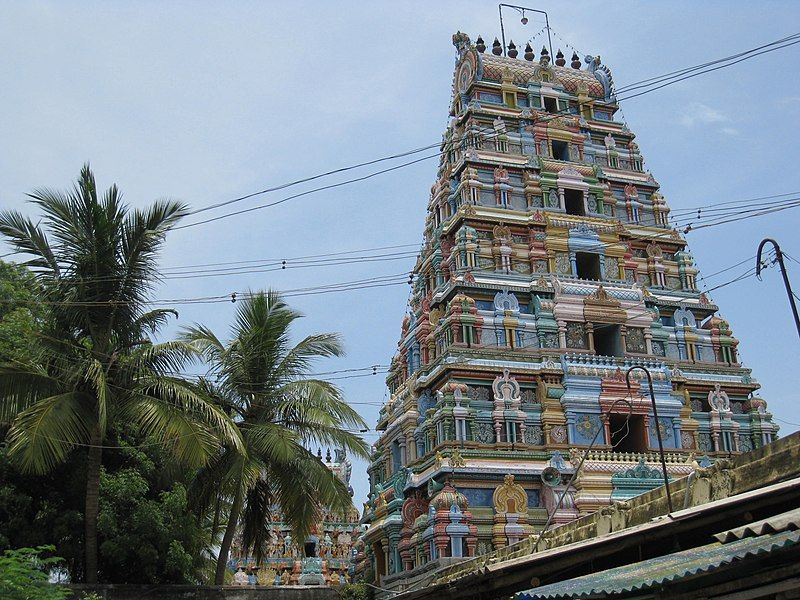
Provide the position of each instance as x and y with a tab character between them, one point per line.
697	112
729	131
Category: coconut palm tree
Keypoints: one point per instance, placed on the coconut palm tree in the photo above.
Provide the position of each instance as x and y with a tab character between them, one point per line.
95	364
262	381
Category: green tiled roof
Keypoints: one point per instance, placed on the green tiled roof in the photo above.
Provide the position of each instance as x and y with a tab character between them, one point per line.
664	569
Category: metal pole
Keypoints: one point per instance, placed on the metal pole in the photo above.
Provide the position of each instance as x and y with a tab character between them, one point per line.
604	417
549	39
658	429
520	9
779	258
502	30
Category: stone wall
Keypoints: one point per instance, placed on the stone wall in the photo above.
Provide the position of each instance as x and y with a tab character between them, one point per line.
205	592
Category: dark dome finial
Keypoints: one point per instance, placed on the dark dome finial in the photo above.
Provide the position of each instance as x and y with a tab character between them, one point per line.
576	61
544	59
328	455
497	49
512	50
480	46
529	55
560	62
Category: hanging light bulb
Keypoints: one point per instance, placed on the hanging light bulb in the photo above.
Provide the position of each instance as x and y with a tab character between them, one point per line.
524	19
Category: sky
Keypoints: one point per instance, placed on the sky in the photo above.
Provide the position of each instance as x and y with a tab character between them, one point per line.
205	102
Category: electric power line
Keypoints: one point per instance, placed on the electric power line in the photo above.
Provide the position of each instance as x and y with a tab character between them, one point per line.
694	71
307	192
650	84
380	281
689	209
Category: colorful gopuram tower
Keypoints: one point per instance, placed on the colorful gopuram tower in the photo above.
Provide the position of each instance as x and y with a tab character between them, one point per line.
549	268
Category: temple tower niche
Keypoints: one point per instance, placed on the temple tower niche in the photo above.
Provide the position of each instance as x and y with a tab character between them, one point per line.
548	269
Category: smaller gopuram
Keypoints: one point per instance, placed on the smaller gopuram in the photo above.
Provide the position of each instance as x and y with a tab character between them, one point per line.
323	558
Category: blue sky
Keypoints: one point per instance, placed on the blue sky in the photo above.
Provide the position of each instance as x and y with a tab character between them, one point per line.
204	102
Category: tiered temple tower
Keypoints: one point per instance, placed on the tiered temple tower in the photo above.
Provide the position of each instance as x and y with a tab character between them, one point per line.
549	267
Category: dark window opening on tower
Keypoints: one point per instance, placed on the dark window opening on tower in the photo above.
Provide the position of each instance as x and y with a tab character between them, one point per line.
310	549
607	340
380	558
560	150
588	265
550	105
630	436
573	200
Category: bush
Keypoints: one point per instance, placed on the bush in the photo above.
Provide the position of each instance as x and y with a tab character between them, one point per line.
356	591
24	575
146	531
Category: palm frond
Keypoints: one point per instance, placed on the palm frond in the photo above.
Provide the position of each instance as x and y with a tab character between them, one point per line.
190	442
42	436
143	234
154	320
214	480
29	238
298	360
303	487
257	511
335	436
204	342
271	442
317	400
169	409
163	358
21	385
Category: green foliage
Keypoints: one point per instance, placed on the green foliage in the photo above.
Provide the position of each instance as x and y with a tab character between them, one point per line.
20	312
356	591
41	510
147	537
147	533
24	575
95	364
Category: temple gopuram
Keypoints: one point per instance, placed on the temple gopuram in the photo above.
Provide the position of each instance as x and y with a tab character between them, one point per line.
549	268
324	558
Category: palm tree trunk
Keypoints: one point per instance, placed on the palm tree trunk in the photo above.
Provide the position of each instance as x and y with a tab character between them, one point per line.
227	539
217	511
92	503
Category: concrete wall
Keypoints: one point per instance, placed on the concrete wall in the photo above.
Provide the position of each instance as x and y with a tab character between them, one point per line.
205	592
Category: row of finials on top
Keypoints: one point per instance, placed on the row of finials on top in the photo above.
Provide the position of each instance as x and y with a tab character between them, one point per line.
497	50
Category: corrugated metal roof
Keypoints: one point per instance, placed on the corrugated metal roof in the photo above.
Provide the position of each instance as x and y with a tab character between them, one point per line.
664	569
788	521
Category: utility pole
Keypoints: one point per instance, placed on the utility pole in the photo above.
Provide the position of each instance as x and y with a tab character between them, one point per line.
779	259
